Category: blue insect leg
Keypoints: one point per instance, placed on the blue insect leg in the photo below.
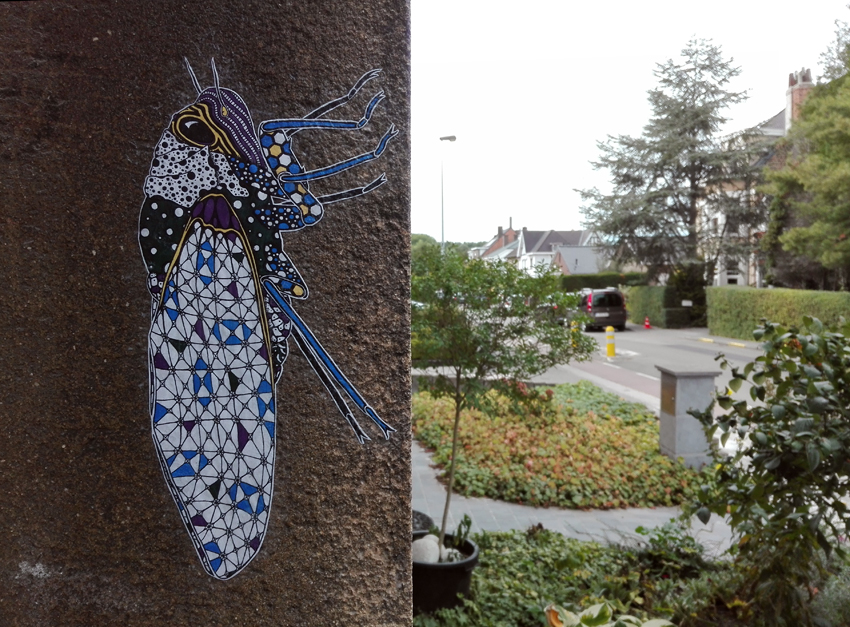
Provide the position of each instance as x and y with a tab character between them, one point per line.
325	362
290	125
342	165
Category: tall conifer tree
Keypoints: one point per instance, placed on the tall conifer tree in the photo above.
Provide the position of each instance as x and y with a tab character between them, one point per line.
681	192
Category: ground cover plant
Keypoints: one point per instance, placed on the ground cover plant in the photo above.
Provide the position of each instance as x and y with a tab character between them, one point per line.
520	573
667	575
574	446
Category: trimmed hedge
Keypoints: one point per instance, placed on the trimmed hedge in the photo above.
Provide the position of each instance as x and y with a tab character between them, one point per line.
576	282
735	311
648	301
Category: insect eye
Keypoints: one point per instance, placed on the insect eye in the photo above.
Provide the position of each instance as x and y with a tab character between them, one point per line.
196	131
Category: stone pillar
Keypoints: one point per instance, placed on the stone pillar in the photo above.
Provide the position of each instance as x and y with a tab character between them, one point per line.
90	533
682	434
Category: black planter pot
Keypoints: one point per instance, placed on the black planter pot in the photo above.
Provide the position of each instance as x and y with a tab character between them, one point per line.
422	521
436	586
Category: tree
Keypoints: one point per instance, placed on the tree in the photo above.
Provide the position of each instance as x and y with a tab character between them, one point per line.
835	60
810	210
681	192
485	324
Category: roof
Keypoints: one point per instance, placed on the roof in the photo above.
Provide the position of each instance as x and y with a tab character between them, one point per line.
579	259
775	126
546	241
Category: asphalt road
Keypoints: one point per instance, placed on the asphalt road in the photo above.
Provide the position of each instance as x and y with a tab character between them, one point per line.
632	373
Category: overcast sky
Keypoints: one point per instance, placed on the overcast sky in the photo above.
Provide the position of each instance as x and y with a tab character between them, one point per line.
529	87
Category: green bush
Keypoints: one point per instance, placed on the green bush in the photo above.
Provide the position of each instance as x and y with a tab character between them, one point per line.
736	311
649	301
785	495
576	282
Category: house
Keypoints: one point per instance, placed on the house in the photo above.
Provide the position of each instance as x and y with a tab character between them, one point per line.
750	271
529	249
576	259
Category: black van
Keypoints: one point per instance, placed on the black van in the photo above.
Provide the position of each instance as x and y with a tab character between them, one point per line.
605	308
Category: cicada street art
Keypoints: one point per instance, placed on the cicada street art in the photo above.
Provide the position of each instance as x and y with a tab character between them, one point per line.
220	196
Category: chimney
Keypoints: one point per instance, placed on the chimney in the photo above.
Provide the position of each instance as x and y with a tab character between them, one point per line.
500	232
511	224
799	86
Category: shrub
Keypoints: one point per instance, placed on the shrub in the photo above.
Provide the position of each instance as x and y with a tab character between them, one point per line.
736	311
785	493
591	450
649	301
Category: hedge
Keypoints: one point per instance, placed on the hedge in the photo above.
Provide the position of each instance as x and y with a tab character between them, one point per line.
734	311
648	301
576	282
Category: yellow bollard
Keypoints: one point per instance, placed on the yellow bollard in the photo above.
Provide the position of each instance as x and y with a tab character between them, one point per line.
609	336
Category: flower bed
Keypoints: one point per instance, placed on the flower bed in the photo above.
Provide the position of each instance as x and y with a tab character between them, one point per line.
582	449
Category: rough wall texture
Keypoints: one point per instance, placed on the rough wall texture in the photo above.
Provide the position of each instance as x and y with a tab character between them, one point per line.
89	534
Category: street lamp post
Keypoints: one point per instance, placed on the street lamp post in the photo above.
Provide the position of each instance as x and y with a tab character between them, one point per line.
447	138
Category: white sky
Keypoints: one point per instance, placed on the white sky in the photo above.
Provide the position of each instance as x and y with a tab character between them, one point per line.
529	87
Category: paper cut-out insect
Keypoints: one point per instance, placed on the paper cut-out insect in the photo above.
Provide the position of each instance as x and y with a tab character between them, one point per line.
217	199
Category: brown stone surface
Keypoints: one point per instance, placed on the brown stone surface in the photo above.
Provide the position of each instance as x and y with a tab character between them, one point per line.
89	534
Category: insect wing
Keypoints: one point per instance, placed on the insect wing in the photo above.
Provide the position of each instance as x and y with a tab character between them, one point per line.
212	396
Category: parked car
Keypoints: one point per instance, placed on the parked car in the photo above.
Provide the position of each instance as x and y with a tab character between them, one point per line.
606	307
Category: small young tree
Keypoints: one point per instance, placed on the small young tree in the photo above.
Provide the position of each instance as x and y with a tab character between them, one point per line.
786	489
479	322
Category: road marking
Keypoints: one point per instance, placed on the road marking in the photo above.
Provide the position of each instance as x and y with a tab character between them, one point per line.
738	344
706	339
647	376
605	363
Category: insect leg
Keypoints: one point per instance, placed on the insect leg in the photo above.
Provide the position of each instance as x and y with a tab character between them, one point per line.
342	165
333	104
352	193
322	373
324	361
291	125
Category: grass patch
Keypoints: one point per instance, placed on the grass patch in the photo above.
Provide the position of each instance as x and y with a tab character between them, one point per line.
586	449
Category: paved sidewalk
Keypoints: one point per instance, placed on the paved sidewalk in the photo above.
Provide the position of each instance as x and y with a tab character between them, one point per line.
429	496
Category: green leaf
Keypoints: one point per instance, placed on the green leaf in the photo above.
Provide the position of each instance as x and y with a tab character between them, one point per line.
772	463
778	412
596	615
735	384
703	514
812	456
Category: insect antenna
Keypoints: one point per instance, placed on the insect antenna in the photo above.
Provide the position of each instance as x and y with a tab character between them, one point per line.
192	74
217	88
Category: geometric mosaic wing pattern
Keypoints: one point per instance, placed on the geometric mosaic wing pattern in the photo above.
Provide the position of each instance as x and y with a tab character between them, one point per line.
213	398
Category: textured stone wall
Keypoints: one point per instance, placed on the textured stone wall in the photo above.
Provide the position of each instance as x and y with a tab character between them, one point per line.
89	534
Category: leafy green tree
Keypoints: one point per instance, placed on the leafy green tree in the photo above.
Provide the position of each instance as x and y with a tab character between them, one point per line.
681	192
484	324
786	491
810	210
835	60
